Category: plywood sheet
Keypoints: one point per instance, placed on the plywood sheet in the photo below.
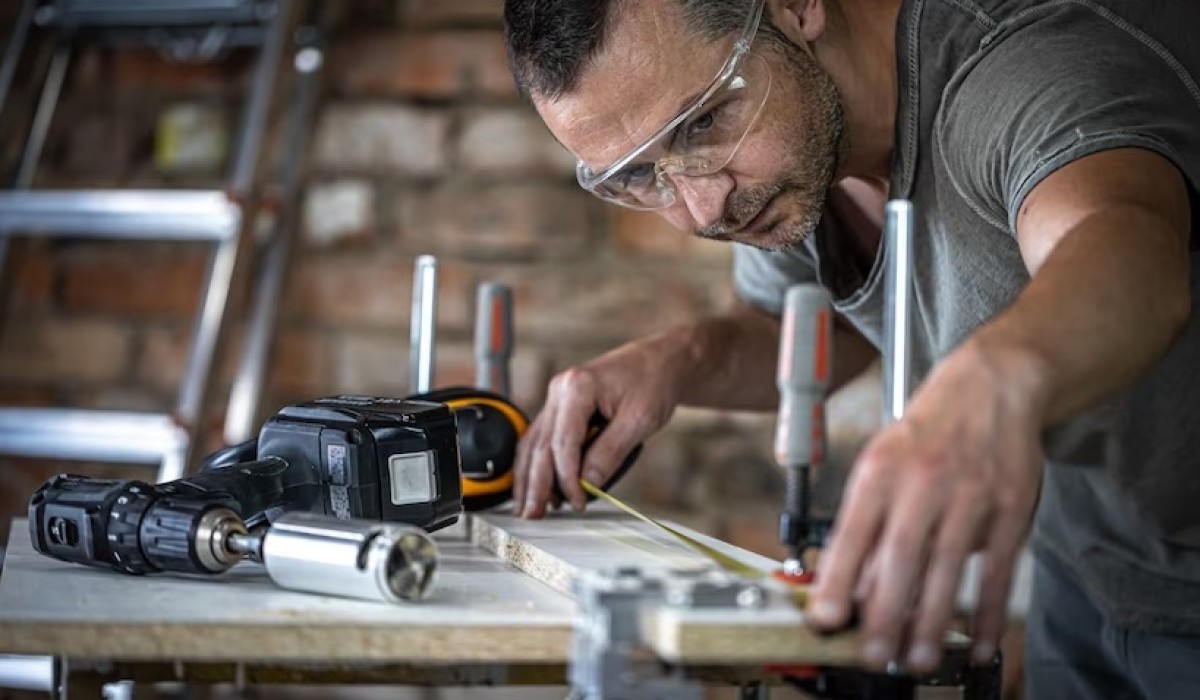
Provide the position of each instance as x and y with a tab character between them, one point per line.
557	549
481	610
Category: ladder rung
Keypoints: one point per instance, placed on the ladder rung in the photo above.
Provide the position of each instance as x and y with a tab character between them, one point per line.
34	673
96	436
197	215
98	13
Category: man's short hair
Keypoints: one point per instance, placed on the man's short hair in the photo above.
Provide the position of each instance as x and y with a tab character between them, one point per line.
550	41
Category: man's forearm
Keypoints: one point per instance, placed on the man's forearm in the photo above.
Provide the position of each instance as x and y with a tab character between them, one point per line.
730	360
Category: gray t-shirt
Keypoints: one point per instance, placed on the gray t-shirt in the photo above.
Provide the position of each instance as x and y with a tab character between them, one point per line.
994	96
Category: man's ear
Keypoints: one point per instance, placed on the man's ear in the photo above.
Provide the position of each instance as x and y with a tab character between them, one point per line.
802	21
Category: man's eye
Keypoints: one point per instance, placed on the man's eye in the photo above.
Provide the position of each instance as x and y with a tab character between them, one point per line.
701	124
636	175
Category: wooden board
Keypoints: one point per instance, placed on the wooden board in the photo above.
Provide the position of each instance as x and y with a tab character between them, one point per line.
557	549
480	610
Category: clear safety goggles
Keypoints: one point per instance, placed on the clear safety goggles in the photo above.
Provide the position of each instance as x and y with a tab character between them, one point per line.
699	141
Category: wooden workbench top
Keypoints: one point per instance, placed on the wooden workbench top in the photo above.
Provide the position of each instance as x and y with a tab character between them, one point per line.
480	610
501	597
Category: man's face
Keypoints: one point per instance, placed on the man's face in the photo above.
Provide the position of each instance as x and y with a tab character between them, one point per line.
771	192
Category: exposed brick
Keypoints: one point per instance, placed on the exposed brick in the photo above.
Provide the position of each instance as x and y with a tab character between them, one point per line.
63	350
163	355
339	211
440	64
500	221
372	362
122	397
134	69
586	303
31	274
365	289
95	134
129	279
301	362
450	11
511	141
28	396
400	139
646	234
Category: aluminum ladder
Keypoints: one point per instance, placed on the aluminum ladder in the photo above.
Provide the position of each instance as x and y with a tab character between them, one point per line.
191	29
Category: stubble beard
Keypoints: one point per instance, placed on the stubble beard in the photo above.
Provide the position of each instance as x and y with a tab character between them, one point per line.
821	143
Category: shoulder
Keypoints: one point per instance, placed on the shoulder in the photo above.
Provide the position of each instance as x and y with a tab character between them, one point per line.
1057	81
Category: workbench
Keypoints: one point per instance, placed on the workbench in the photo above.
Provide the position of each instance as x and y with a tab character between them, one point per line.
499	614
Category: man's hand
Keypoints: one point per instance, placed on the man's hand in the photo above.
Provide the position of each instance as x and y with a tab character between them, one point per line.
960	472
1105	239
635	387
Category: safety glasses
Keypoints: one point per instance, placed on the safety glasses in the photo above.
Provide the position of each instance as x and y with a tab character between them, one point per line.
700	140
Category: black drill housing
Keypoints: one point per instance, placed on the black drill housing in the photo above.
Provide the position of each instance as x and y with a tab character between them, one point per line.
345	456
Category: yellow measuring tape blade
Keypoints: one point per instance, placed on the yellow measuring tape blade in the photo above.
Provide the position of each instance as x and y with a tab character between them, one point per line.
724	560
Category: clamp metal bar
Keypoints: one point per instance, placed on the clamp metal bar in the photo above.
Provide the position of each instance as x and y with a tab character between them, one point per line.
898	233
423	324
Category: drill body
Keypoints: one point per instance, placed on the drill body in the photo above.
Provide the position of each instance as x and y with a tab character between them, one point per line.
350	457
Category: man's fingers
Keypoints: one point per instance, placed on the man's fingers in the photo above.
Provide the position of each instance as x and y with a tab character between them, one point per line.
611	447
538	482
859	523
903	553
521	466
566	445
955	539
996	571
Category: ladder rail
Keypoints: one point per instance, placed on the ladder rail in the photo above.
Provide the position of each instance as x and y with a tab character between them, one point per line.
16	47
224	266
258	107
47	105
246	392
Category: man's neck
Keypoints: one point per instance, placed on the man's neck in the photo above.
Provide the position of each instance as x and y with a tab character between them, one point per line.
859	53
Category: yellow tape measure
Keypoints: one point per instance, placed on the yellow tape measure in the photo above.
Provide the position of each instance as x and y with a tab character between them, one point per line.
798	592
727	562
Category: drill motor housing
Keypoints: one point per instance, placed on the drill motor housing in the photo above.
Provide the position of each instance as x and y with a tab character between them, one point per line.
351	457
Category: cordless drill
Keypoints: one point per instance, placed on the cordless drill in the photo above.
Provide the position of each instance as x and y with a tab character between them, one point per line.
804	373
349	457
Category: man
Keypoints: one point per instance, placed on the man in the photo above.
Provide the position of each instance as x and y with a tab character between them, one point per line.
1052	152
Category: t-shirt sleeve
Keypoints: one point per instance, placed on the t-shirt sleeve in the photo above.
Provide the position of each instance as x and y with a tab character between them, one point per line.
761	278
1066	83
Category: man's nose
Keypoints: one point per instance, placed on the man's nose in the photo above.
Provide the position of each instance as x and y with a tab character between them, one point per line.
704	196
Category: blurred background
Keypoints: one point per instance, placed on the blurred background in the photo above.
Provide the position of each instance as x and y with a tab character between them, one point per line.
417	144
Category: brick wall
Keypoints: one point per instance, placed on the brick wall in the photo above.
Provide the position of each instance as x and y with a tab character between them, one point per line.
421	146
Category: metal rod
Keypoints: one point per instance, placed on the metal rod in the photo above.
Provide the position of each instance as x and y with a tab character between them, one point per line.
898	233
16	45
423	324
258	106
208	326
246	393
55	77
